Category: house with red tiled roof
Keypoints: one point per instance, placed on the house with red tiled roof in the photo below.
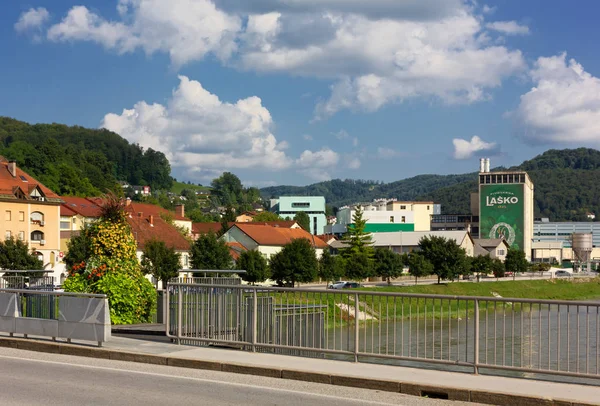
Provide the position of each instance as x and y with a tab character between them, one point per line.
178	217
269	240
31	213
146	228
199	229
235	250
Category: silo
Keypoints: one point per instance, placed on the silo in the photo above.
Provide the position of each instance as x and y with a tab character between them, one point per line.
482	165
582	248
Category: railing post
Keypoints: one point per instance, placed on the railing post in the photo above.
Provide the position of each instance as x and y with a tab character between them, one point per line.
356	322
476	340
179	313
254	319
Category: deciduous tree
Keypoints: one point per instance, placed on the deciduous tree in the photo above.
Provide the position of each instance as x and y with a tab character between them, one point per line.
296	262
419	266
209	252
448	259
160	261
387	264
303	220
331	268
255	265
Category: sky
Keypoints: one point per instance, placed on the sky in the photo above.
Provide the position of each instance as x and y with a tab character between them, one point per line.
299	91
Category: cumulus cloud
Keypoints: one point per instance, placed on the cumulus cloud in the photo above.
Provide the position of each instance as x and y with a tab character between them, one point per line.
317	165
185	29
201	134
564	105
464	149
32	20
508	27
374	52
387	153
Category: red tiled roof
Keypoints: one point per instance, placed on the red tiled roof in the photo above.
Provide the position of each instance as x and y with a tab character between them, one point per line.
278	236
80	205
205	228
22	180
134	208
162	231
236	249
280	223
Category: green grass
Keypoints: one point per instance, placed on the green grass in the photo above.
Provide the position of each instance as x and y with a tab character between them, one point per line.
178	187
562	289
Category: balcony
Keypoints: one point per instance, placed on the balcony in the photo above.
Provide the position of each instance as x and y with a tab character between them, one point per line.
37	218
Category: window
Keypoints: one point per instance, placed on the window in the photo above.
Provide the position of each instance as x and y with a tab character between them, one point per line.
185	260
500	252
391	219
427	207
21	216
403	219
65	225
301	204
7	215
8	235
402	207
22	235
37	236
37	217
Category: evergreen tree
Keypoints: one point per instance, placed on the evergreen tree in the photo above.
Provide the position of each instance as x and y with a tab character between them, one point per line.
255	265
359	253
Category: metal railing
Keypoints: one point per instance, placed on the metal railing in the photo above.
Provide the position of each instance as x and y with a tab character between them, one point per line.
465	333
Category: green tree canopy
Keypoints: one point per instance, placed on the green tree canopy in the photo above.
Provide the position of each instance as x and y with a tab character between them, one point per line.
15	255
387	264
515	261
209	252
160	261
331	268
255	265
359	252
266	216
296	262
418	265
448	259
498	269
482	265
303	220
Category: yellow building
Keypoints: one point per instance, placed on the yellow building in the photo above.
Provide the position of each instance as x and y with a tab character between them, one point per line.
422	212
30	212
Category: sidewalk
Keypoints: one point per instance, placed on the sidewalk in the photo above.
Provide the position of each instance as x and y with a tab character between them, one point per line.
420	382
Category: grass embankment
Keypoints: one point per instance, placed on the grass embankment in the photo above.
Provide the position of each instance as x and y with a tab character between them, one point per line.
178	187
339	305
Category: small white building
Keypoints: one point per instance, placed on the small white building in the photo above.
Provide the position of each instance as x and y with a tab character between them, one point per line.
493	247
405	242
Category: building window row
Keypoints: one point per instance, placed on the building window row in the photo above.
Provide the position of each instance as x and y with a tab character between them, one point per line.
301	204
502	178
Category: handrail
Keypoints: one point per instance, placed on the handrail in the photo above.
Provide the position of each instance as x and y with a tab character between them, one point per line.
53	293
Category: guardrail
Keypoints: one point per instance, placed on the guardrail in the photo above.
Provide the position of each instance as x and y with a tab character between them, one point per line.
469	333
55	314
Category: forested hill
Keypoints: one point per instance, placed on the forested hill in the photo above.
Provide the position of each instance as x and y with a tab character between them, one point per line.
567	186
81	161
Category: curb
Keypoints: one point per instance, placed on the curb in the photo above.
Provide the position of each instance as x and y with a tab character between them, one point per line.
429	390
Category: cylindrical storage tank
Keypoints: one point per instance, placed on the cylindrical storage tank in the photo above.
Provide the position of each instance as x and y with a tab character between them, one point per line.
582	246
487	165
481	165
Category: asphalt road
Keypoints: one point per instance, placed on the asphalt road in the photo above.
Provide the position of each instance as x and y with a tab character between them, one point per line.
31	378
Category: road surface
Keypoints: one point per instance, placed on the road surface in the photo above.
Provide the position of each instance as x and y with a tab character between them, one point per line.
31	378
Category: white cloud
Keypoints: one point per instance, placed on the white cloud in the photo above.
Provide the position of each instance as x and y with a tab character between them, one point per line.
387	153
201	134
32	20
185	29
375	52
343	135
464	149
488	9
508	27
317	165
564	105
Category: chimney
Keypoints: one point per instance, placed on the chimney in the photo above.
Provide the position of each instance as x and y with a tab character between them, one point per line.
140	214
481	165
180	210
127	202
151	220
12	168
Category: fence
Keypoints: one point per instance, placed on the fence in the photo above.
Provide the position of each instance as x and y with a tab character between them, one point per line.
464	333
55	314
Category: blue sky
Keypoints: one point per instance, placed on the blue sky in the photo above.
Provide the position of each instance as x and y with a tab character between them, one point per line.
297	91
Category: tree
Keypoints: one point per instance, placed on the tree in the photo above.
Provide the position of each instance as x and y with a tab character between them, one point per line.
515	261
266	216
78	248
498	269
255	265
208	252
15	255
418	265
481	265
448	259
359	253
331	268
228	189
160	261
296	262
387	264
303	220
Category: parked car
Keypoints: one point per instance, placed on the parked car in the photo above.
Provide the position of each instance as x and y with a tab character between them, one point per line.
562	274
337	285
351	285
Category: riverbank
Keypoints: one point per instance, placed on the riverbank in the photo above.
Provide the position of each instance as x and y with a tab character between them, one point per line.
551	289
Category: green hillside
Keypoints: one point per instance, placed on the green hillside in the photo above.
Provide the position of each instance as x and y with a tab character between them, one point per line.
81	161
179	187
